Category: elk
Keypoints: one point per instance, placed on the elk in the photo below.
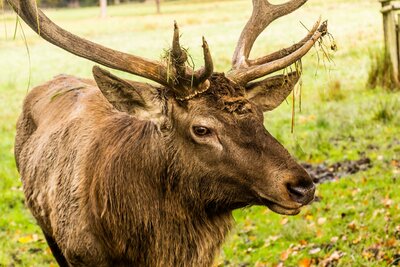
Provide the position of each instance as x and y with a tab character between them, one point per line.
122	173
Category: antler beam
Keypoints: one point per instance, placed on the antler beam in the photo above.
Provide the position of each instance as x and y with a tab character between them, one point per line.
153	70
245	74
42	25
263	14
285	51
245	70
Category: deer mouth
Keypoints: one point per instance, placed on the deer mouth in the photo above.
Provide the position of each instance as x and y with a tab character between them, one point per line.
279	208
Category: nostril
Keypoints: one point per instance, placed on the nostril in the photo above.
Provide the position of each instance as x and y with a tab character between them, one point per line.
301	194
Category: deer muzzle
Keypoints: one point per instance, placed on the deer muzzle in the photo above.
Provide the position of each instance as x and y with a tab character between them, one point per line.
302	192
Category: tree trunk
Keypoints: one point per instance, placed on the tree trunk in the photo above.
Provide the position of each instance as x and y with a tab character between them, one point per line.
73	3
103	8
158	6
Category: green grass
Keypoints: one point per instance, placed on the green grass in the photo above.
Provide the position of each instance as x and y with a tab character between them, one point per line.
340	119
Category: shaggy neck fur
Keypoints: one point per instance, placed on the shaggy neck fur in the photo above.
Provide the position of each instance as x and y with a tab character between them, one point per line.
138	201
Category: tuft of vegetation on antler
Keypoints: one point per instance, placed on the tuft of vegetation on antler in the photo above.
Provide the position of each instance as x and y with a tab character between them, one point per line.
325	49
16	26
167	59
326	46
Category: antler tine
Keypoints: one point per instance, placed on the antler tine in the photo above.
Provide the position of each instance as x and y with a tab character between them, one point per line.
188	83
42	25
204	73
179	57
244	75
263	14
285	51
186	77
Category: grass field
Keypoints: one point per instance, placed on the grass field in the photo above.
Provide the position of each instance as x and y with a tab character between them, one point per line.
356	221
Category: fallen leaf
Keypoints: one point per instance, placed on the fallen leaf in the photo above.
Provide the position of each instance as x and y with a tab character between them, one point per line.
352	226
309	217
367	255
321	221
26	239
252	237
304	262
284	221
319	233
314	250
391	242
334	257
395	163
357	240
303	242
260	264
285	255
334	239
387	202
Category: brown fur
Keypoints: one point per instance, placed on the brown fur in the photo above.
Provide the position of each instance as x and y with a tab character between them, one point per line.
118	189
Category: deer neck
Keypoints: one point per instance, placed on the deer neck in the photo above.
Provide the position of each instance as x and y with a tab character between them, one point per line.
188	235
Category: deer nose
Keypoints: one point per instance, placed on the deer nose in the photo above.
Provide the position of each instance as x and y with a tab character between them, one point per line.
303	192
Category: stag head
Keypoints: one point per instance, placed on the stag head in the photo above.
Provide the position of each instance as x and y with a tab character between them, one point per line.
212	123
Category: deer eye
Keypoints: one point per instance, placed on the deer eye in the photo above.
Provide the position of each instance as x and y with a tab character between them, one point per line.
201	130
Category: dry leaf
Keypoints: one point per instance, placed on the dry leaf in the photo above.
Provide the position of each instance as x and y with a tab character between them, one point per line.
309	217
321	220
314	251
319	233
357	240
304	262
285	255
260	264
387	202
395	163
352	226
303	242
334	257
26	239
284	221
334	239
391	242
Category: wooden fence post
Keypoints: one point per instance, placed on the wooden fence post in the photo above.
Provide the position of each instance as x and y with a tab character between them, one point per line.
390	11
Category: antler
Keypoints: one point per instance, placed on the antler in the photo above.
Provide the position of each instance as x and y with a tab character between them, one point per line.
244	69
153	70
41	24
186	77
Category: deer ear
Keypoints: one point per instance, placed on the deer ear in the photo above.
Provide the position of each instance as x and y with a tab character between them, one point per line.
271	92
125	96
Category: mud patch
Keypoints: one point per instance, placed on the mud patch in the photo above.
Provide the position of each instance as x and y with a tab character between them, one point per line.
322	172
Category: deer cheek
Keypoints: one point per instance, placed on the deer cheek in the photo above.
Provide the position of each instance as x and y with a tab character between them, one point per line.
211	142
